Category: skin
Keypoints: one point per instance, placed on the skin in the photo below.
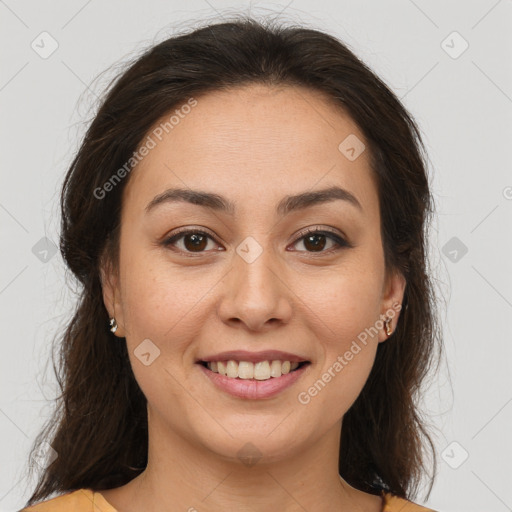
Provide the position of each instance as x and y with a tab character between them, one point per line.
254	145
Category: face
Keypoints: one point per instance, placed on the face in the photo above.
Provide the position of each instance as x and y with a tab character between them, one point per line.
196	280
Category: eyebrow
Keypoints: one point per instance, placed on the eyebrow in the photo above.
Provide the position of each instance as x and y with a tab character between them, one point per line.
286	205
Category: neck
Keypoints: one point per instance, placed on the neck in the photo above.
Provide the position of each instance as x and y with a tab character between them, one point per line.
184	476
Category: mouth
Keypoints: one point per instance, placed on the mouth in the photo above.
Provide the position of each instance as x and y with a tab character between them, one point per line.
259	371
253	376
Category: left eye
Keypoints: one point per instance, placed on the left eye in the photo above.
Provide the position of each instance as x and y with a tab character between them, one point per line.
313	240
316	239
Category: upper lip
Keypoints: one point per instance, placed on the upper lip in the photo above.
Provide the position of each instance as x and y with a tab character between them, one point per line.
254	357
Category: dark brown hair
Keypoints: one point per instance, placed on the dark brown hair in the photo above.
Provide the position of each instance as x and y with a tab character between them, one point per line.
99	429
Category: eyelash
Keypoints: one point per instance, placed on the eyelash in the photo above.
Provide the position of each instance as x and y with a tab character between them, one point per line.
340	243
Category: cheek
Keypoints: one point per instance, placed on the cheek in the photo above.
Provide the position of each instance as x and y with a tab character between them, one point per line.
337	382
160	301
346	309
341	303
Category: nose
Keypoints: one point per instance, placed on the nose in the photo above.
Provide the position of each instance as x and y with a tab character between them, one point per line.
255	294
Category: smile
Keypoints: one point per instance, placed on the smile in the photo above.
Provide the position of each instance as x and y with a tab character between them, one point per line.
244	379
262	370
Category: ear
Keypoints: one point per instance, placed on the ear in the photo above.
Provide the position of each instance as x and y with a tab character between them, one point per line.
111	295
392	299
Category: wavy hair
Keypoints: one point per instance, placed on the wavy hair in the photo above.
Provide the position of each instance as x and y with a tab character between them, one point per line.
99	427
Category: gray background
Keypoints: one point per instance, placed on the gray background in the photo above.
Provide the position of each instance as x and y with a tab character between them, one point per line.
462	100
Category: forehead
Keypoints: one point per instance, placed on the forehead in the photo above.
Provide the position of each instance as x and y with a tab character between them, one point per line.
255	141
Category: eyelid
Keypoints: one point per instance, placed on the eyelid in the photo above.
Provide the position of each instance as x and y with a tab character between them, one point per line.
190	229
318	229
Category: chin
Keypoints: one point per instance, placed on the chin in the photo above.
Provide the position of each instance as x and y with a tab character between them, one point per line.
256	445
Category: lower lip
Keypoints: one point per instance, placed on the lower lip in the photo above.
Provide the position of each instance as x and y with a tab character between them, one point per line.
254	389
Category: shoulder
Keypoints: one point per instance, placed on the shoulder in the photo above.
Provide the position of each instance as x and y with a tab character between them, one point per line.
393	503
82	500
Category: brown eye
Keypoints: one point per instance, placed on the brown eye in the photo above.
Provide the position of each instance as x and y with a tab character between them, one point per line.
191	241
315	240
195	242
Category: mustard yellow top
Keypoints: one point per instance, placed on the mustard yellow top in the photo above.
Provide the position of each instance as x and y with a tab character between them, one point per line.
87	500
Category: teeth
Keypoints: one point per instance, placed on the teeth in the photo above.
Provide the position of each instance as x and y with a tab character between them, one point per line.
245	370
275	369
262	370
221	367
232	368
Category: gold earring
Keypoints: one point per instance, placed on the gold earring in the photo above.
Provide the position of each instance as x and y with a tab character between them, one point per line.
389	331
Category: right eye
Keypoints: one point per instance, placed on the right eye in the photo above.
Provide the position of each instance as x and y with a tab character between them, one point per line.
192	241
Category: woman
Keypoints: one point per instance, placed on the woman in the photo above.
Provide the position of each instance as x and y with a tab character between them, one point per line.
247	217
